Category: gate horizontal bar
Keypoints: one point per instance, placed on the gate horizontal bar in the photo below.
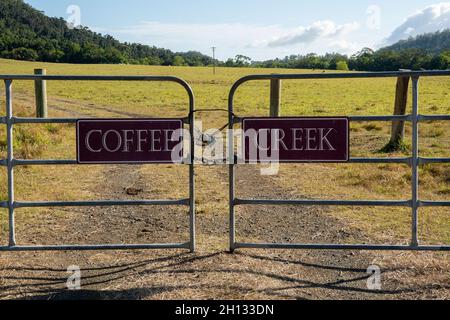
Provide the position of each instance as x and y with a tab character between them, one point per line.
434	117
388	118
433	160
98	247
49	204
3	204
88	78
43	162
434	203
340	247
352	160
380	160
356	75
3	163
44	120
253	77
362	118
377	203
3	120
22	162
59	120
380	118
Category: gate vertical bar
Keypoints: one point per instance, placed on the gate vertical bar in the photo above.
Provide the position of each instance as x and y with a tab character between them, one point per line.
192	171
415	162
232	170
10	166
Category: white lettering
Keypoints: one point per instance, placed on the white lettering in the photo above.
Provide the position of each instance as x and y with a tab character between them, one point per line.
127	140
324	138
141	139
278	140
154	140
297	139
119	141
310	139
87	141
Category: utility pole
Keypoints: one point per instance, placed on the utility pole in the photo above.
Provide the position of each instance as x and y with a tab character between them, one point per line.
214	59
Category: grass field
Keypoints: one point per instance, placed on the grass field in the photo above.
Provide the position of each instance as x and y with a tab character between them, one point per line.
300	98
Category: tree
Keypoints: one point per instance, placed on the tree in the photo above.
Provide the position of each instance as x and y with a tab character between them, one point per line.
23	54
154	61
441	62
242	61
178	61
230	63
342	65
363	60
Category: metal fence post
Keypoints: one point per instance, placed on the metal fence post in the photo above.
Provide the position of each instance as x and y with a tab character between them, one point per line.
415	161
40	88
10	164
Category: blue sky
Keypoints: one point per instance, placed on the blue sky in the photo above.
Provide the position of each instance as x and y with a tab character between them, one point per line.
261	29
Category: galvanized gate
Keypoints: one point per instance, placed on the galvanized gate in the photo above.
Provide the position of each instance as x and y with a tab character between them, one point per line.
415	161
10	163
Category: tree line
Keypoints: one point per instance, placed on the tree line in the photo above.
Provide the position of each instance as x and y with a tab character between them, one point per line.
365	60
28	34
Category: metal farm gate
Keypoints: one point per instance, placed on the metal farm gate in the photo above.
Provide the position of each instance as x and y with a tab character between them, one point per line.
10	163
415	161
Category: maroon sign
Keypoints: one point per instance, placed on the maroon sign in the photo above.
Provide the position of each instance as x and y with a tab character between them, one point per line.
296	139
129	141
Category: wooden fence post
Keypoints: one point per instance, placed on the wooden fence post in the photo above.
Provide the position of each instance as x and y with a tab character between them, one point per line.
40	89
275	97
401	101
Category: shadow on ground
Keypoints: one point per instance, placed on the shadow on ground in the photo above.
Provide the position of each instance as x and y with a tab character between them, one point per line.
113	281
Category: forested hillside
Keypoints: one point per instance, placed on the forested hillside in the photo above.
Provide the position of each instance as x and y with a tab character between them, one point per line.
28	34
430	42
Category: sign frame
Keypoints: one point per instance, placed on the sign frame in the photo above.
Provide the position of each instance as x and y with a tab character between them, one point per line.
308	118
77	138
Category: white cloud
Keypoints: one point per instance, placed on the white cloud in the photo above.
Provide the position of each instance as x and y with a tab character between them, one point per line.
256	41
344	46
318	30
432	18
197	36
